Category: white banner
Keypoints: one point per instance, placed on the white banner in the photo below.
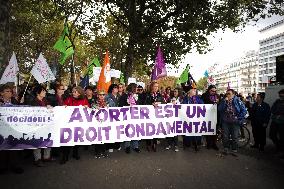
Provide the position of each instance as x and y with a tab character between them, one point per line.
35	127
10	73
41	70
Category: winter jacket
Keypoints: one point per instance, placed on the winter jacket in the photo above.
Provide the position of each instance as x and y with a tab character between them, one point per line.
71	101
260	113
239	107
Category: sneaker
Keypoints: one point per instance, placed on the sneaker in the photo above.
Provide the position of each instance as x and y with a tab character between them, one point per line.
176	149
168	147
110	150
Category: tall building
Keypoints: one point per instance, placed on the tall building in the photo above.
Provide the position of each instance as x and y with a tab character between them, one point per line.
240	75
271	45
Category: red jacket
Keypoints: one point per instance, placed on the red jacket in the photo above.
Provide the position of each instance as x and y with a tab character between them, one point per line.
70	101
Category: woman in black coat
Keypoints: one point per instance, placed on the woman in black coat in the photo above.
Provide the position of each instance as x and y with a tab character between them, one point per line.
153	97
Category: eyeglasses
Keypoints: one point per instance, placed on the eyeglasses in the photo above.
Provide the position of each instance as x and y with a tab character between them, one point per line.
213	91
101	94
140	89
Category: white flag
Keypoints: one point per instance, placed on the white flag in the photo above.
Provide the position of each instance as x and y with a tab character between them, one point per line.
10	73
41	70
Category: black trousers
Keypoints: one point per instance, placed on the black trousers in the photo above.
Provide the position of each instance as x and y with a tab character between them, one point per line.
150	142
9	159
66	151
276	134
211	140
259	135
100	149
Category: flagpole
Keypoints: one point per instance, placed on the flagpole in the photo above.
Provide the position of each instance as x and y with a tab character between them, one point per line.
73	64
27	86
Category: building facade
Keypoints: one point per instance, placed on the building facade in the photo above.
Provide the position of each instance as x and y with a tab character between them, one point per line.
271	45
240	75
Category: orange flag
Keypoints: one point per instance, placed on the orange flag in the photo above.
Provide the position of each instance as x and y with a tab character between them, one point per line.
105	79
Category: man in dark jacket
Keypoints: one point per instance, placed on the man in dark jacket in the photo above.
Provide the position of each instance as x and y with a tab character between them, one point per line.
260	115
276	132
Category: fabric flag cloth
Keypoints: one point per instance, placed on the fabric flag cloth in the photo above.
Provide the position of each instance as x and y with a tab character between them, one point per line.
206	74
159	69
184	76
105	78
121	79
10	73
95	63
41	71
64	46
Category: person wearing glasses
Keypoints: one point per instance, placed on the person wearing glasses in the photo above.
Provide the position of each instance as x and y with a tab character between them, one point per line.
211	97
232	111
9	159
141	93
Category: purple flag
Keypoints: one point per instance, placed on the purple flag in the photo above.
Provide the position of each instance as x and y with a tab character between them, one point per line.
159	69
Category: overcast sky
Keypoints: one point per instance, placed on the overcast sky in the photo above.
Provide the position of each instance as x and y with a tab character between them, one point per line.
227	46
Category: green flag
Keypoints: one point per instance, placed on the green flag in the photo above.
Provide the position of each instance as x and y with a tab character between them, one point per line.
95	63
184	76
64	45
121	79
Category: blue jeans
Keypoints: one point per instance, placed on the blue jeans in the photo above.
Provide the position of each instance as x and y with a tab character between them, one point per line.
134	144
231	131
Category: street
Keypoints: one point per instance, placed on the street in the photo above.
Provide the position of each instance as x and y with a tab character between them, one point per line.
163	169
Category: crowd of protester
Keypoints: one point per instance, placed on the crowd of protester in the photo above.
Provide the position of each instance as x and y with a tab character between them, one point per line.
232	111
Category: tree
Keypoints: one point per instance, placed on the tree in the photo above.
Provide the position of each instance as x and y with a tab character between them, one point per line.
202	84
178	25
